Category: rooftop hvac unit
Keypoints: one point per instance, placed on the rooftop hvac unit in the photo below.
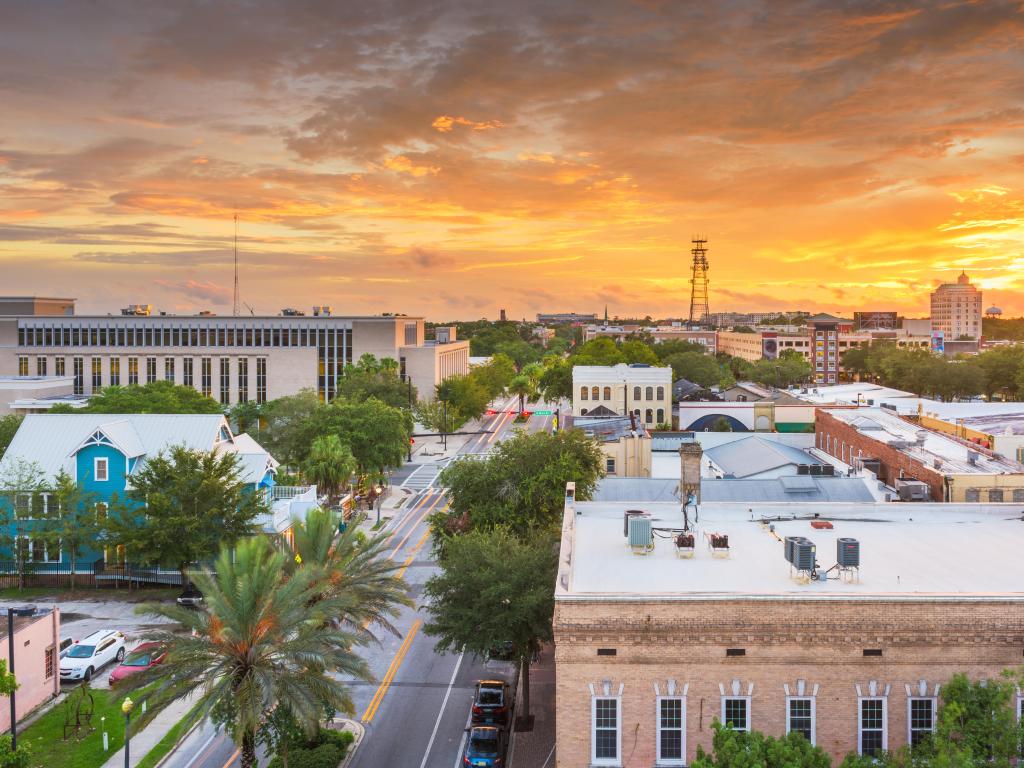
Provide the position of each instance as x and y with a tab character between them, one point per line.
920	436
913	490
848	553
972	457
641	538
803	555
790	545
828	469
625	519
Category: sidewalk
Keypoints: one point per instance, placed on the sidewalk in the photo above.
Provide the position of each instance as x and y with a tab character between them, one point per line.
150	736
536	748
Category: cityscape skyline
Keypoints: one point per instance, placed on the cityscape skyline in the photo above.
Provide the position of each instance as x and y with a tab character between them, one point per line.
449	161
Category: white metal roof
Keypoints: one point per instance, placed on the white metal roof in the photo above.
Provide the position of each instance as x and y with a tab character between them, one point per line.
754	455
50	440
924	445
908	551
582	374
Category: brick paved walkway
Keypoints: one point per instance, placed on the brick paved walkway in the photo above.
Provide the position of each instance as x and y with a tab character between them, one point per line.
536	749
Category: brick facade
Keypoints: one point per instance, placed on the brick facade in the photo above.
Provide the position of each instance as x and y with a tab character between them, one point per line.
814	647
847	444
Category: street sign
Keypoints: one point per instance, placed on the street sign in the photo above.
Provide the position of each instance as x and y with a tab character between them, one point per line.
542	413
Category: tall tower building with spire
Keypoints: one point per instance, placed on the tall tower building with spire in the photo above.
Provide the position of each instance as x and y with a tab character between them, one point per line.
956	309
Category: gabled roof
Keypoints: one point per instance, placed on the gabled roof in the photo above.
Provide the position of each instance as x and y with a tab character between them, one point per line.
51	440
754	455
601	410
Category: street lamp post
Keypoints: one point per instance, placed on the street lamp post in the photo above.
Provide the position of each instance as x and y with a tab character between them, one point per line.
11	613
126	707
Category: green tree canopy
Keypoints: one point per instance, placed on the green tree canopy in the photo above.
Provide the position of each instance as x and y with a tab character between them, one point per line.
329	465
369	377
521	484
495	375
266	639
155	397
494	588
8	427
696	367
739	749
665	349
466	394
195	502
291	425
71	524
376	433
599	351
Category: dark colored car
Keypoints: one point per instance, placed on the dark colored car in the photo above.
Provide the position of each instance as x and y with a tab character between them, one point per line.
485	747
491	704
142	657
191	597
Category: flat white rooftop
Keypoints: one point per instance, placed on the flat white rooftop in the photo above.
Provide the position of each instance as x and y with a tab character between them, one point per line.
924	445
908	552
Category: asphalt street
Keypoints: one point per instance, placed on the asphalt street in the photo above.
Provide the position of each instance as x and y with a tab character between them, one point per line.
416	712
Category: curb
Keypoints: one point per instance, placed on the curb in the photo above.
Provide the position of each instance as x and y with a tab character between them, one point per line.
347	724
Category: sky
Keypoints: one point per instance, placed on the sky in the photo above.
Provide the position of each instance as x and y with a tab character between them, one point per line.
450	159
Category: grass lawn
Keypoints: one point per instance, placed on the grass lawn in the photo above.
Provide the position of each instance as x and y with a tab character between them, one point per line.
90	593
46	735
156	754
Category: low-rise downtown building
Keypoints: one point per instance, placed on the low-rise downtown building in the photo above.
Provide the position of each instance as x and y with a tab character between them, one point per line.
847	637
610	390
36	659
233	359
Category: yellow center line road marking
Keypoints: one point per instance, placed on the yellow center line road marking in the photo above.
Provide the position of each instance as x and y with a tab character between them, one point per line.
426	512
410	512
233	757
408	560
403	649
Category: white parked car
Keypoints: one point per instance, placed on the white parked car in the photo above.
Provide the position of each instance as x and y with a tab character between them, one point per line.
88	655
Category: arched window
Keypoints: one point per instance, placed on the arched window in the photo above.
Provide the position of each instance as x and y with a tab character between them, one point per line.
583	393
661	394
649	416
649	393
636	393
607	393
595	393
661	416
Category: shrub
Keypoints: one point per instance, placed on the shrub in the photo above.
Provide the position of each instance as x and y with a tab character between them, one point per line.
325	751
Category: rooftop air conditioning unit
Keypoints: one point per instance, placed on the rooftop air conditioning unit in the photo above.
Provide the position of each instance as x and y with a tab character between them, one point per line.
641	537
848	553
804	555
972	457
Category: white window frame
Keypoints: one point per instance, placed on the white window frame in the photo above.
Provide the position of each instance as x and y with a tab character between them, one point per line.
746	728
814	719
594	759
47	559
657	721
860	721
935	715
101	461
609	465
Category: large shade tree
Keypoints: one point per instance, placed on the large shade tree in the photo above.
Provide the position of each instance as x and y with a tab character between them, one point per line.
329	466
183	506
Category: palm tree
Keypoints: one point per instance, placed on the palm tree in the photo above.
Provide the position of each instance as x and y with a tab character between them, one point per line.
349	569
522	387
329	466
263	641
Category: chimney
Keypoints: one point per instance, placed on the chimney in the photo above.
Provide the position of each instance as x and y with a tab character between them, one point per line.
690	454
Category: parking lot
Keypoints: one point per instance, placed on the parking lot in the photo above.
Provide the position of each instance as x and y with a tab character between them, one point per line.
80	618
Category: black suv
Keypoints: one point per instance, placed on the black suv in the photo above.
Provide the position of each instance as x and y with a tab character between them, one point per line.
491	704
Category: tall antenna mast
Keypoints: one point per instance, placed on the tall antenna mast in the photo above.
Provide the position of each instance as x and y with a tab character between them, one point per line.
699	282
235	309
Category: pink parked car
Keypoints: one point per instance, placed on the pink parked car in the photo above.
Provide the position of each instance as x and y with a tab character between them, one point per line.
143	657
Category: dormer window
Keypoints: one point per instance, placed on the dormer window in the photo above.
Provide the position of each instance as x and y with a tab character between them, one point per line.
100	470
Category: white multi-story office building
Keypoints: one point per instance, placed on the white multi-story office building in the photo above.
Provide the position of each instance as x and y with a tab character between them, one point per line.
956	309
231	359
617	390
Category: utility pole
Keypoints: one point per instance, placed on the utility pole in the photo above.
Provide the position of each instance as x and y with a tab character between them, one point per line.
236	302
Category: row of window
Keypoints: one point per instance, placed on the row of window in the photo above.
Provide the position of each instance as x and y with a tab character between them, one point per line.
650	415
188	368
183	336
595	393
736	712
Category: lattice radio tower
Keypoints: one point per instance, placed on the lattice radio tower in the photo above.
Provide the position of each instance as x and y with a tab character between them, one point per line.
699	282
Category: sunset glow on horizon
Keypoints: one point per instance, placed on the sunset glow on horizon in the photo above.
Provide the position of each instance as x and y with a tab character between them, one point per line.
452	159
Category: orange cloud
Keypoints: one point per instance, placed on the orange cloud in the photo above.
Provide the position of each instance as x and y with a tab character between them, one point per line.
445	124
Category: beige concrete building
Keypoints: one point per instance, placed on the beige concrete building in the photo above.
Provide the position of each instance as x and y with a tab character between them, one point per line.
610	390
956	309
655	641
232	359
25	394
624	441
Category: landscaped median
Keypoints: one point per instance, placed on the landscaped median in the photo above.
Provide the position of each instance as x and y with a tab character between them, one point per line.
45	736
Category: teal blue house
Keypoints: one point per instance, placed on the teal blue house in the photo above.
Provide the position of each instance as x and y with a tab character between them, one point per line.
102	452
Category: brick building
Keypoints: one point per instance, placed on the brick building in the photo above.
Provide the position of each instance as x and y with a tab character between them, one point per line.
897	450
652	644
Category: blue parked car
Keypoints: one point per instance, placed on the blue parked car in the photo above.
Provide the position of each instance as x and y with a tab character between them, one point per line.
485	747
